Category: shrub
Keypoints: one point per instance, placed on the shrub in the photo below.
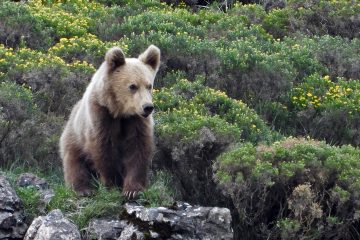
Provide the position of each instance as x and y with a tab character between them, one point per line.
20	28
57	85
337	18
18	118
65	24
328	109
87	48
28	137
293	188
194	122
338	55
185	108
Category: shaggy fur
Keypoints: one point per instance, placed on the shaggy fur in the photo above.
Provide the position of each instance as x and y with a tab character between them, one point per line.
110	130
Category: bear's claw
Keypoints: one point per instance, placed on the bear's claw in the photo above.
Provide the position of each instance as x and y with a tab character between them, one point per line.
85	193
131	194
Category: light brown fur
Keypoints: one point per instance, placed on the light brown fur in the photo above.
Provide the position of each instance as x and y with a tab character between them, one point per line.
110	130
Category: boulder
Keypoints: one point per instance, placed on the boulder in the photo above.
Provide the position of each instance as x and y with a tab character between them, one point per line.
52	226
181	221
105	229
131	232
12	218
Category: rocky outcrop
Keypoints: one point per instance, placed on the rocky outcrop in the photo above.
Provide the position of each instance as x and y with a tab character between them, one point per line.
181	221
53	226
12	219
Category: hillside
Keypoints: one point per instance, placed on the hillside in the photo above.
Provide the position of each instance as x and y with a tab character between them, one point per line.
257	105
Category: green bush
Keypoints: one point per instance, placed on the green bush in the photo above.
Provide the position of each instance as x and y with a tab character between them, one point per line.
186	107
339	55
19	27
328	109
18	118
27	136
85	49
295	188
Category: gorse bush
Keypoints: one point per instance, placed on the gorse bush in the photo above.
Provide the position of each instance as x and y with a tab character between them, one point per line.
186	107
20	28
322	105
295	188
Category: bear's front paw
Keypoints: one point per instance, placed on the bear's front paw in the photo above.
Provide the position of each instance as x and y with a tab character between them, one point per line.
131	194
131	191
84	192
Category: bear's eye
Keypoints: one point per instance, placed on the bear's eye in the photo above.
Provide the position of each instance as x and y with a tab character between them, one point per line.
149	87
133	87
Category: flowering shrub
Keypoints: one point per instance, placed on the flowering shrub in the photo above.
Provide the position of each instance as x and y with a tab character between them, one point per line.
86	48
321	93
328	109
186	107
294	188
20	28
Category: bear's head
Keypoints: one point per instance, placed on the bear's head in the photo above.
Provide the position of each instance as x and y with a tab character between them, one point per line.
130	81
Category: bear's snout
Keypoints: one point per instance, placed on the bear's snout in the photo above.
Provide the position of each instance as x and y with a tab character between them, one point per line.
147	108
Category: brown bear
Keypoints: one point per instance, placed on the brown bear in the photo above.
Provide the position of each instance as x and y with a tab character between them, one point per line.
110	130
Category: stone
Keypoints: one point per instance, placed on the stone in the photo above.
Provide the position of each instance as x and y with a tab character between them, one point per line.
31	180
105	229
52	226
12	218
131	232
182	221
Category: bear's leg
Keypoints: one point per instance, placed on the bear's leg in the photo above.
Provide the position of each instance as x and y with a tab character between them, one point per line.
76	172
104	165
136	169
137	158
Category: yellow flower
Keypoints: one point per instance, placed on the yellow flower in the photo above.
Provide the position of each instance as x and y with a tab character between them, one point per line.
309	94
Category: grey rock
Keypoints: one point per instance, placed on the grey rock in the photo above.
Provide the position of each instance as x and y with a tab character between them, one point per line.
183	221
131	232
7	220
31	180
53	226
105	229
12	219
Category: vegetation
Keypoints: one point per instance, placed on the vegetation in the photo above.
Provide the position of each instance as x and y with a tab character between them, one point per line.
103	203
251	74
304	187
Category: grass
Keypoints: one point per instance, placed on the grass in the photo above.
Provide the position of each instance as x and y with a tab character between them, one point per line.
104	202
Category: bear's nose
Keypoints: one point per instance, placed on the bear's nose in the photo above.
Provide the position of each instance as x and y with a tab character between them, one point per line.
148	108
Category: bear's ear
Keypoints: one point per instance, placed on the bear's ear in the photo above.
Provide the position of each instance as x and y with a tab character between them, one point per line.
151	57
114	58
